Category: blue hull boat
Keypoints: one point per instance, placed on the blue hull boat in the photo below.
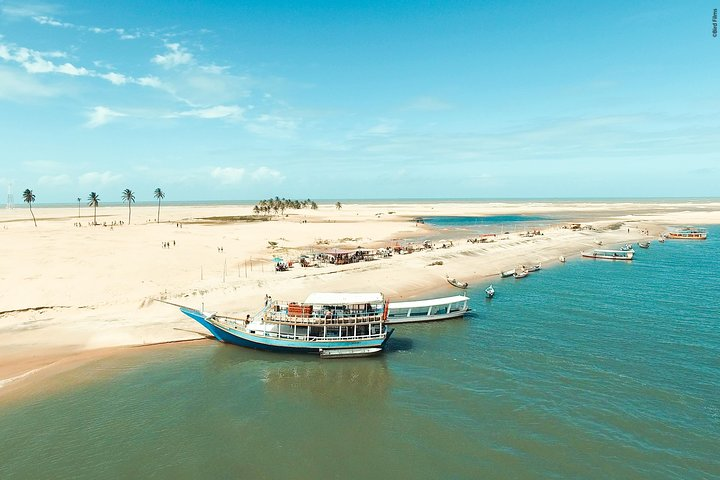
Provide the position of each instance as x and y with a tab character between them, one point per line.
332	328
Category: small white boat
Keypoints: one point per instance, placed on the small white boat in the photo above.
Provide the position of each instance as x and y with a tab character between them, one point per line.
507	273
661	239
427	310
562	258
521	274
644	244
534	268
490	291
626	247
457	283
610	254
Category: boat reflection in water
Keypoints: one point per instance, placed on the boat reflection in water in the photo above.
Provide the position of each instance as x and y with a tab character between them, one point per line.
353	380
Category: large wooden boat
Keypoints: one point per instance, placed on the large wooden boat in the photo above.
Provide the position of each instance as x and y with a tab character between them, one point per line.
688	233
610	254
328	324
427	310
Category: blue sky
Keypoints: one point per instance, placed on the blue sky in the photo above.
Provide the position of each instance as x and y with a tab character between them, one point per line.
251	99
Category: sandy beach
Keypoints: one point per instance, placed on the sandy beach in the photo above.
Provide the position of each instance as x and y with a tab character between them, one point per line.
71	290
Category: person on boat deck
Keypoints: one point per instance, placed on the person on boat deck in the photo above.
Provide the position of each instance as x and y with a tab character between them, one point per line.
247	320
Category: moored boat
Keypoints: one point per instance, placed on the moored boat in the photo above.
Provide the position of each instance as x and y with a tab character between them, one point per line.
521	273
457	283
562	259
427	310
490	291
534	268
507	273
610	254
329	324
688	233
644	244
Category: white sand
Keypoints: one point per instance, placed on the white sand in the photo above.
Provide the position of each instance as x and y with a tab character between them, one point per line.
65	289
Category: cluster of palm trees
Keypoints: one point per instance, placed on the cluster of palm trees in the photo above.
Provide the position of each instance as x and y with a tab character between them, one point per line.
279	205
94	201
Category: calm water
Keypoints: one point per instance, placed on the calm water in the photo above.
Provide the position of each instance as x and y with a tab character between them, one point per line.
590	369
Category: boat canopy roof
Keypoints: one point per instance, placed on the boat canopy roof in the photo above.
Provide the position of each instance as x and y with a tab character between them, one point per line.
429	303
344	298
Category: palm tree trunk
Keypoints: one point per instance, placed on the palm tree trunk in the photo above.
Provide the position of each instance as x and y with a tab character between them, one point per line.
94	215
129	212
158	221
33	215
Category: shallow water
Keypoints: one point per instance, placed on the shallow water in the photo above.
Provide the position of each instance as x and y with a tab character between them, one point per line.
590	369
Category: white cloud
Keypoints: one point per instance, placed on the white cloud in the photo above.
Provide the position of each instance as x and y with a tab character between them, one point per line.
54	180
17	85
228	175
99	178
115	78
149	82
175	56
218	111
101	115
26	9
44	20
265	173
34	61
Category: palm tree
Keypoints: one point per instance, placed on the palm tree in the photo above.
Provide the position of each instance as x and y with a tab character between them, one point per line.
128	196
94	201
78	208
29	197
159	194
338	205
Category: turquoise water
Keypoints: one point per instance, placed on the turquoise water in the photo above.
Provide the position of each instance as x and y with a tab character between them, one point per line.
590	369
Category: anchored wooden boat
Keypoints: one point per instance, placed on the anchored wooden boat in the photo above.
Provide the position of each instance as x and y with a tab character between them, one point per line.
644	244
688	233
507	273
328	324
427	310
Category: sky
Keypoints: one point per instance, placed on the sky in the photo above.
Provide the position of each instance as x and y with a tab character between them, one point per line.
249	99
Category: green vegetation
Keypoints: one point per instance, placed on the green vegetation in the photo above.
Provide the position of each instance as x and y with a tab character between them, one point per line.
129	197
94	201
279	205
29	198
159	194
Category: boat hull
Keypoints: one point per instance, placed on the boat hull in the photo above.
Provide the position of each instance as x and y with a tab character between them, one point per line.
425	318
275	344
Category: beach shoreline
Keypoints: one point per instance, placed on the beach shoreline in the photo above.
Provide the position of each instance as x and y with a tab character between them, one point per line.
70	288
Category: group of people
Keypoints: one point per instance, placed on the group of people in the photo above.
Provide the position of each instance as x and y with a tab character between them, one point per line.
168	244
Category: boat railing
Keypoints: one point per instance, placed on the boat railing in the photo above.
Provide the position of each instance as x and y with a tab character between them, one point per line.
321	319
240	325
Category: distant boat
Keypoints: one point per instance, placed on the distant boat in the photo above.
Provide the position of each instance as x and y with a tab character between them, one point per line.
562	258
644	244
490	291
507	273
626	247
610	254
427	310
521	273
661	239
456	283
688	233
534	268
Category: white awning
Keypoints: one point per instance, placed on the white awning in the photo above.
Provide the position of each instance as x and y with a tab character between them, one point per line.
428	303
344	298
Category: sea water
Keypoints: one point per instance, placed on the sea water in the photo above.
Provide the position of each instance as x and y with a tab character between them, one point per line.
589	369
